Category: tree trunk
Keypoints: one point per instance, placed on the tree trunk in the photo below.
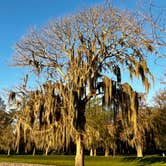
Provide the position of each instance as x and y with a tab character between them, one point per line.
17	150
8	152
46	153
139	150
106	151
94	152
79	124
64	146
34	150
114	150
26	151
91	152
79	159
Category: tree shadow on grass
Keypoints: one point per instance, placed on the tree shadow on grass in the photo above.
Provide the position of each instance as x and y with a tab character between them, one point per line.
143	161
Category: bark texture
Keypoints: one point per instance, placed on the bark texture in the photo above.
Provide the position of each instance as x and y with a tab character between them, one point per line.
139	151
79	159
107	151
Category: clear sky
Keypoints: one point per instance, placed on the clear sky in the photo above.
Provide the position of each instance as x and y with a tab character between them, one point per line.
17	16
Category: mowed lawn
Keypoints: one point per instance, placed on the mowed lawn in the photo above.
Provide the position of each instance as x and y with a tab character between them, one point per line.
60	160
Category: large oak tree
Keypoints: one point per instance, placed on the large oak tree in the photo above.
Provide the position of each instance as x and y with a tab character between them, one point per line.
84	55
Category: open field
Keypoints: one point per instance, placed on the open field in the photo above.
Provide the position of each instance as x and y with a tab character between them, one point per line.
60	160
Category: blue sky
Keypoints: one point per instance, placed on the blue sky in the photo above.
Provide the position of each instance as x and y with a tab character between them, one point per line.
17	16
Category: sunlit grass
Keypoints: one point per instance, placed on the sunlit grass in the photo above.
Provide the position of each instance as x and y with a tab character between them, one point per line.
60	160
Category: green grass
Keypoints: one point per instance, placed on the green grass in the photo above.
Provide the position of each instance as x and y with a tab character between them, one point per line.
60	160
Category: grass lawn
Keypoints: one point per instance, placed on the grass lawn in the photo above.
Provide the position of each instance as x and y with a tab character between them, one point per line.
60	160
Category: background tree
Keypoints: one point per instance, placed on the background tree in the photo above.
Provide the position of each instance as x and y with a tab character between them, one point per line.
159	121
159	118
160	99
94	122
84	55
7	136
2	104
